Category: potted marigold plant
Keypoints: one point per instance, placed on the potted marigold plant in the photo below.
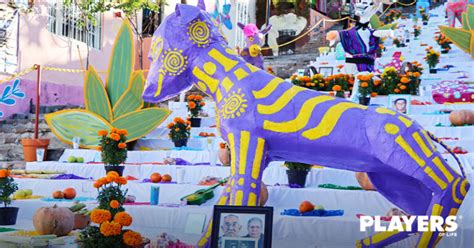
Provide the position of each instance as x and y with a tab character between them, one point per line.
110	216
315	82
195	105
424	16
297	173
416	31
443	42
113	149
366	87
432	58
179	131
414	73
8	186
340	83
389	82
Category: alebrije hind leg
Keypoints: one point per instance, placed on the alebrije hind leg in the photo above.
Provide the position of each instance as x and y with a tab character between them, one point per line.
247	165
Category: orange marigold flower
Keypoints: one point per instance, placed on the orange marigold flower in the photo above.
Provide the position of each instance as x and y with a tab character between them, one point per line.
336	88
121	180
100	216
97	185
111	178
103	132
102	180
202	103
176	129
403	87
404	80
122	145
191	105
397	91
112	173
321	85
308	84
110	228
306	79
3	173
190	97
170	125
123	219
351	80
222	145
115	137
373	94
340	66
198	97
123	132
416	74
188	123
132	238
114	204
99	148
178	120
364	85
376	82
113	130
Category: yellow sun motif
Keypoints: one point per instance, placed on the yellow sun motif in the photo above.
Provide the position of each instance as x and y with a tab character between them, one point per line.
174	62
198	32
234	105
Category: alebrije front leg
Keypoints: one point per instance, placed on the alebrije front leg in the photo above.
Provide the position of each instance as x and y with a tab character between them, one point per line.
247	165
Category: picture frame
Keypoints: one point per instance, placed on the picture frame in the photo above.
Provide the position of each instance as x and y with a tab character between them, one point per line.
326	71
400	103
242	226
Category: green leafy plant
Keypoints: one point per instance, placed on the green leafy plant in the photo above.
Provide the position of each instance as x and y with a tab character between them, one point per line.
295	166
366	84
390	81
179	129
424	16
112	146
118	104
431	57
7	187
416	31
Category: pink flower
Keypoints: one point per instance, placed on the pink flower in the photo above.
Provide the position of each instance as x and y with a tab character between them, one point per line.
250	30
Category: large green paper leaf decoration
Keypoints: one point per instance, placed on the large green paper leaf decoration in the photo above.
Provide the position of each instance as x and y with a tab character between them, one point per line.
121	63
131	100
464	21
378	25
141	122
95	96
460	37
470	17
67	124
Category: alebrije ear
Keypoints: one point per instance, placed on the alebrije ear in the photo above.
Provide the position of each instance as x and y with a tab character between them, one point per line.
186	13
201	5
241	25
266	29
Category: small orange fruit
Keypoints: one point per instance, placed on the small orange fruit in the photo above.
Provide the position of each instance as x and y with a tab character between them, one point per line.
306	206
155	177
166	178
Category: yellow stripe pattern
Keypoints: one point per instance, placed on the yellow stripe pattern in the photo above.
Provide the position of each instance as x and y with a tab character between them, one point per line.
330	120
426	236
226	62
281	102
300	121
252	201
230	136
244	147
257	162
442	184
443	169
422	144
405	121
407	148
268	89
453	191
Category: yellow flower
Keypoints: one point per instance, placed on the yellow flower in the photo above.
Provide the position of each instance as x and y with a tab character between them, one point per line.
100	216
123	219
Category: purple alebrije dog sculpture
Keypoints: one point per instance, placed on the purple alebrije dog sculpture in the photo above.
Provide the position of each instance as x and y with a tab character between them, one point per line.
253	40
265	118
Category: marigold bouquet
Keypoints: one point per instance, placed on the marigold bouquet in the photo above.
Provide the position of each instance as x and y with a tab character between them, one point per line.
112	146
110	216
340	83
179	129
195	105
444	42
432	57
389	81
416	31
366	85
316	82
414	73
7	187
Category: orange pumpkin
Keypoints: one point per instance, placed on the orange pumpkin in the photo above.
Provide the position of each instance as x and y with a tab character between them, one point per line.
155	177
462	117
53	220
166	178
69	193
58	195
306	206
363	180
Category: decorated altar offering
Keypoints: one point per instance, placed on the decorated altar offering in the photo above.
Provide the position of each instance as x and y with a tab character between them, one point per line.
416	31
390	81
113	149
8	186
179	131
195	105
366	88
54	220
315	82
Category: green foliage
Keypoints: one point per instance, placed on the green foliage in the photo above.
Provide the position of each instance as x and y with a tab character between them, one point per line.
179	129
195	105
110	193
295	166
91	237
7	188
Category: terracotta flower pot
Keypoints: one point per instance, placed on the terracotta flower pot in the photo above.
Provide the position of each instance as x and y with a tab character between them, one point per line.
364	181
30	146
224	156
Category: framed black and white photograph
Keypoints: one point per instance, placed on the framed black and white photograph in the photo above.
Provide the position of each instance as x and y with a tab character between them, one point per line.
400	103
326	71
242	227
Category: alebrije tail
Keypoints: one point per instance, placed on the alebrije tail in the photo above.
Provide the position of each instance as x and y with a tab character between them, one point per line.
437	140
